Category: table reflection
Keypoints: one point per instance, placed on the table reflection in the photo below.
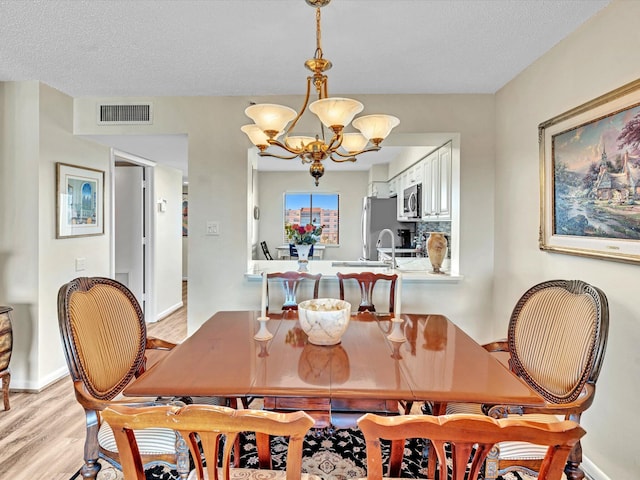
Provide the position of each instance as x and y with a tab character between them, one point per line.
324	364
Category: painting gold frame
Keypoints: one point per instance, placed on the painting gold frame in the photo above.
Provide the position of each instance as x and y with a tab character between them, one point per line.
590	192
79	201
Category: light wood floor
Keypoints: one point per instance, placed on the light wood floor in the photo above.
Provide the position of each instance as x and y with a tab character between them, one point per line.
42	436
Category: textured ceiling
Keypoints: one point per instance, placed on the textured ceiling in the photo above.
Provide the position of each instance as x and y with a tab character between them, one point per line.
258	47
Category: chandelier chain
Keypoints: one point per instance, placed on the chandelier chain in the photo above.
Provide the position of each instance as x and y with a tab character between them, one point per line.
318	35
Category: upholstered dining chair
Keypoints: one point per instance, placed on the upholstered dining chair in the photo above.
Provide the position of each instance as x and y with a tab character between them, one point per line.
203	427
105	342
290	282
367	282
468	438
557	337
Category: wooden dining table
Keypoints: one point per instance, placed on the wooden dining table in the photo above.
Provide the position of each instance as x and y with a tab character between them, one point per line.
437	362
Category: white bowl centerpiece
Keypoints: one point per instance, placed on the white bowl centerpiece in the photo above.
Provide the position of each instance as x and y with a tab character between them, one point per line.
324	320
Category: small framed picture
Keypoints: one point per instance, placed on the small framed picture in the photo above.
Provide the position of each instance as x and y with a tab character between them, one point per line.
79	201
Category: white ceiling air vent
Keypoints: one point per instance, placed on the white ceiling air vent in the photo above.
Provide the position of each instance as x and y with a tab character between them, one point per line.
125	114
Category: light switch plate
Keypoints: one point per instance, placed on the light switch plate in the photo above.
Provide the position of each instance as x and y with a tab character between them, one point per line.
213	228
80	264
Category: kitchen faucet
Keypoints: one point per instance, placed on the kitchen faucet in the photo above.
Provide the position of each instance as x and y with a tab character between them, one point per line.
393	246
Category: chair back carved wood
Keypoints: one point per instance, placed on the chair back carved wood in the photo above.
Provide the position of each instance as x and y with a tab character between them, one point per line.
209	425
290	282
469	439
366	283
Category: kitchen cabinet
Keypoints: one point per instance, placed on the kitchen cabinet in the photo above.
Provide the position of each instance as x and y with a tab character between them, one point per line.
436	201
378	189
415	174
392	186
403	182
395	191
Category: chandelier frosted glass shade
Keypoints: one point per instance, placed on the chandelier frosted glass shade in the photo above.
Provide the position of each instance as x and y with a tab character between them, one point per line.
270	118
376	127
354	142
298	141
336	111
256	135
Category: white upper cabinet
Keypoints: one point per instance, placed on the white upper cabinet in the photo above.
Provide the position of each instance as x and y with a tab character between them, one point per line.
379	189
436	189
415	174
393	187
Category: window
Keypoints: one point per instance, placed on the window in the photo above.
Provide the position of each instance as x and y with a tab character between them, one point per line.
317	209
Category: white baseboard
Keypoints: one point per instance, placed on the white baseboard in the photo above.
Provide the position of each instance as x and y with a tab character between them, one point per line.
592	471
21	385
169	311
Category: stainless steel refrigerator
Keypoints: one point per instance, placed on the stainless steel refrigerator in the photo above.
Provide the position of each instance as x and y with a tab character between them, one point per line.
378	214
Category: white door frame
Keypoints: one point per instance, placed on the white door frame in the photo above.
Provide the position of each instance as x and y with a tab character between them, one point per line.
149	227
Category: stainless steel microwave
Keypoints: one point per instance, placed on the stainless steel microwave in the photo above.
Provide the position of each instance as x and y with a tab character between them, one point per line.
412	201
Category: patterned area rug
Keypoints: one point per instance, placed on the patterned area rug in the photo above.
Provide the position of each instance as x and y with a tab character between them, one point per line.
332	455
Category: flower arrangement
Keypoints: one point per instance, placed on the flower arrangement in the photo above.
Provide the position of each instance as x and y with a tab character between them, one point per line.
303	234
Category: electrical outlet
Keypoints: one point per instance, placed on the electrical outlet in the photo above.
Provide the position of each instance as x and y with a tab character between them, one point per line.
213	228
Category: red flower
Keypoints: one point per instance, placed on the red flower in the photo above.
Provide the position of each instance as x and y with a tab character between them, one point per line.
309	228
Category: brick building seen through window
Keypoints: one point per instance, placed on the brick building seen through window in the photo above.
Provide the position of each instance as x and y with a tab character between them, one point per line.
317	209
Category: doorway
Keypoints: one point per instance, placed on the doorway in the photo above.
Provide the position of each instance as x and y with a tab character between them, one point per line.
132	239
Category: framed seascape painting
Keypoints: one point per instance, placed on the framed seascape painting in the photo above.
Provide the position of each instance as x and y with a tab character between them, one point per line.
79	201
590	178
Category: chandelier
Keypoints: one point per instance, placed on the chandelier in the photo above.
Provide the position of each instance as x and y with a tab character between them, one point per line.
334	114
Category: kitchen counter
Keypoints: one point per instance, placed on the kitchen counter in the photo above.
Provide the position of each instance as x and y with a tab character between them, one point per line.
412	269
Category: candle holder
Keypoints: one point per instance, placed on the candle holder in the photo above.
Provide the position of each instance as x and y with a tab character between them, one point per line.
396	349
263	333
264	351
396	335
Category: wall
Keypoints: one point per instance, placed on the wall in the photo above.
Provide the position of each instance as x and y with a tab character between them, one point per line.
600	56
57	256
167	282
218	192
19	230
352	187
37	133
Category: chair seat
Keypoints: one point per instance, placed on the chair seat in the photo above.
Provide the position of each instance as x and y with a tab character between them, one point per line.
453	408
524	450
151	441
510	450
255	474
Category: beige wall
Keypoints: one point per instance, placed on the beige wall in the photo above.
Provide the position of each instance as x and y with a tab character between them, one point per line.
599	57
167	273
37	133
218	179
57	256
